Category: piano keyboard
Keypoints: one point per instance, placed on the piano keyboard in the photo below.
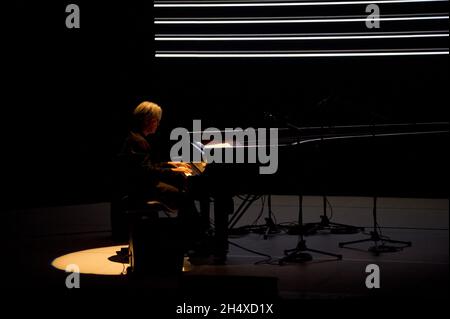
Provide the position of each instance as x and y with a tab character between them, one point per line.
197	168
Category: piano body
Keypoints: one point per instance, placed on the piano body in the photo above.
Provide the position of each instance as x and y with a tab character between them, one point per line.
316	160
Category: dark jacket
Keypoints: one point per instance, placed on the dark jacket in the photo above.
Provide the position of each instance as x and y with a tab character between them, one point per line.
140	172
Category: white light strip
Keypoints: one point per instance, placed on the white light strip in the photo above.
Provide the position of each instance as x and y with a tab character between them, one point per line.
295	55
290	38
412	18
283	4
297	34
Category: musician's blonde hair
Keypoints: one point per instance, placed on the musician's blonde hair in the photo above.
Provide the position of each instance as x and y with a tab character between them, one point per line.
145	112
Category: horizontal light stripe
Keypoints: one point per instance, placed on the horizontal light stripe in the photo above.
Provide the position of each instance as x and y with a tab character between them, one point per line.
258	21
298	34
295	55
282	4
291	38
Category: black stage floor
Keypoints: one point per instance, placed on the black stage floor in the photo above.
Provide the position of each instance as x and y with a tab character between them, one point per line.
417	273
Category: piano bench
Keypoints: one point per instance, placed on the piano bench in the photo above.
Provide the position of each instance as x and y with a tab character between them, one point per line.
155	245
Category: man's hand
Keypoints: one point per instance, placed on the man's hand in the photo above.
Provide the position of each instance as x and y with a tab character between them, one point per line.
185	170
178	164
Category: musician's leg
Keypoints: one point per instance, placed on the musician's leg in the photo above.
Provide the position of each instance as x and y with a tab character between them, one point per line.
168	194
187	213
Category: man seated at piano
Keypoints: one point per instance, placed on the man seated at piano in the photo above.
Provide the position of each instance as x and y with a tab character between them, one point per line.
149	179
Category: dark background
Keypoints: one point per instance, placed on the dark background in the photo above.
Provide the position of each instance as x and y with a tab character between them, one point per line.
68	93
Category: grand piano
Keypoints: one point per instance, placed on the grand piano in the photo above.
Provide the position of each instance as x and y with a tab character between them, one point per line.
381	159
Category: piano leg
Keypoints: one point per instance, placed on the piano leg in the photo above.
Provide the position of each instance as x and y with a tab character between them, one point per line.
223	206
205	214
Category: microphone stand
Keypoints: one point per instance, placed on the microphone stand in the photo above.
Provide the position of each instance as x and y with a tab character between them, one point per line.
270	226
300	252
325	223
375	235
